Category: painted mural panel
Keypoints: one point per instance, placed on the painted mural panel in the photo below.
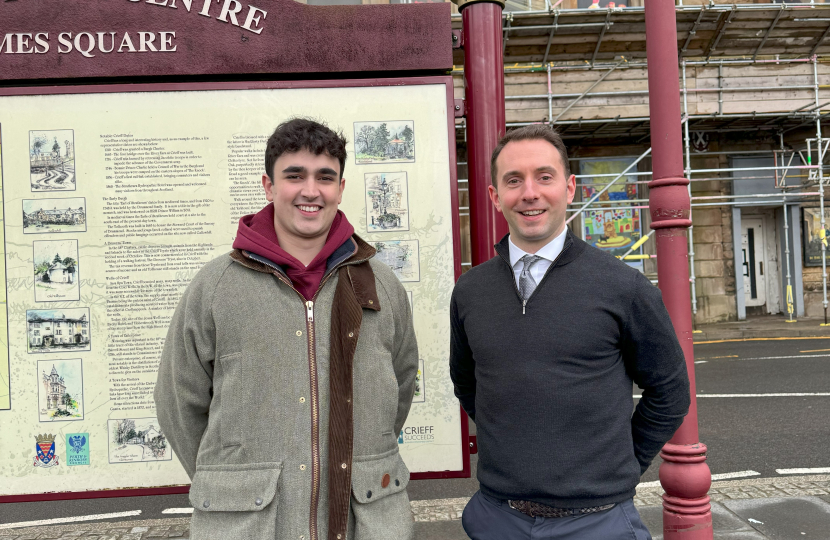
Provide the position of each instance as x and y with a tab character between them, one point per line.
612	223
813	237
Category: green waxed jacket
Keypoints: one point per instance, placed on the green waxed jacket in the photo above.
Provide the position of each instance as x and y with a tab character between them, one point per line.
236	399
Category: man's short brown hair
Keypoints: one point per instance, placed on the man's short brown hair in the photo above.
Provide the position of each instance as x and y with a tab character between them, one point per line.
528	133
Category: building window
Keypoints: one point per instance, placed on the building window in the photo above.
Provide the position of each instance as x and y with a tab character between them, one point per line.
58	332
37	332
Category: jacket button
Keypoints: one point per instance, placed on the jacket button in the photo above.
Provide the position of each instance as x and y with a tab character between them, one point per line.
206	504
351	334
258	502
302	400
299	333
385	481
302	467
342	465
397	482
368	494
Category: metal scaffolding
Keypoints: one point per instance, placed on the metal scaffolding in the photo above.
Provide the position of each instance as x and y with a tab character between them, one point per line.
808	173
788	193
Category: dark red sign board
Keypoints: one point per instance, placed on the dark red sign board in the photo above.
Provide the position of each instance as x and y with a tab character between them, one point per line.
72	39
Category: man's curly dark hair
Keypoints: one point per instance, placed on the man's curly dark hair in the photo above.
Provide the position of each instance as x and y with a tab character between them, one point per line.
304	134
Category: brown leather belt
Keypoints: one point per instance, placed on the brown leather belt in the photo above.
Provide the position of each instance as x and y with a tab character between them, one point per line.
534	509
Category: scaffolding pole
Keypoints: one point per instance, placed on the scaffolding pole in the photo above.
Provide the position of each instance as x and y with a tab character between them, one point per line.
692	278
821	192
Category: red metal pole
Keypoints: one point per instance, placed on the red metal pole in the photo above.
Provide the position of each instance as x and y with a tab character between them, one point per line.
484	86
684	474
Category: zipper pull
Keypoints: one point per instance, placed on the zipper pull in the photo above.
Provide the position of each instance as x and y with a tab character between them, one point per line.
309	310
524	303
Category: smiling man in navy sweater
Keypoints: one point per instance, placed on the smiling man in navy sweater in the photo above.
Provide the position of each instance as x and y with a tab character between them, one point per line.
547	338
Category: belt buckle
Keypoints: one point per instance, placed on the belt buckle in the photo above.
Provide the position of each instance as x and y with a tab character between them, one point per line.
528	512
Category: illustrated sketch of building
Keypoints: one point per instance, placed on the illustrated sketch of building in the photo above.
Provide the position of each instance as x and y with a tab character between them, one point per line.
384	142
53	215
61	393
387	202
56	270
137	439
60	272
401	256
52	160
54	387
55	331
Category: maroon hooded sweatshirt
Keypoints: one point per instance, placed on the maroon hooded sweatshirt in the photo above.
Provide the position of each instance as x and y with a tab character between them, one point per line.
256	234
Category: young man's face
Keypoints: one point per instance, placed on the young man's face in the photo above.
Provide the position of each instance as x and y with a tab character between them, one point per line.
306	192
533	192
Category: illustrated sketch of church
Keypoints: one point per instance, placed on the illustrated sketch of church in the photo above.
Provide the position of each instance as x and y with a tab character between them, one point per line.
387	202
61	390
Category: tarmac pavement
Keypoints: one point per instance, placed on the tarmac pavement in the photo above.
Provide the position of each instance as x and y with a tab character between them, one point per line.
751	509
765	327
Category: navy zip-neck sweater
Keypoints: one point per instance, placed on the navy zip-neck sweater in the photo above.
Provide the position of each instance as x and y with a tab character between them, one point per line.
550	390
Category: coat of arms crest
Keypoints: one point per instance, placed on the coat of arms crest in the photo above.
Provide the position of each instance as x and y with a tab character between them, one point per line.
45	449
77	442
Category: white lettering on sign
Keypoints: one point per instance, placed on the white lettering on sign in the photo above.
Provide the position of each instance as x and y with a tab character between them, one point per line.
89	44
227	14
23	43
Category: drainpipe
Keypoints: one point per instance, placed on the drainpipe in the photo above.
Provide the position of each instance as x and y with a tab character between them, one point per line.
484	90
684	474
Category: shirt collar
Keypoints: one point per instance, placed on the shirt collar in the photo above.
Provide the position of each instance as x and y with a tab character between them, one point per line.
549	251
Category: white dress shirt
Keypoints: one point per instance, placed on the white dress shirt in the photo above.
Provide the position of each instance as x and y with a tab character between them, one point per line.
549	252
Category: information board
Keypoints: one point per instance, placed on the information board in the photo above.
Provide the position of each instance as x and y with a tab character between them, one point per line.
114	197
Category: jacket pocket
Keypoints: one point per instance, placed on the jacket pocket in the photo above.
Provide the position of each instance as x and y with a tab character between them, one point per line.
380	503
235	501
236	400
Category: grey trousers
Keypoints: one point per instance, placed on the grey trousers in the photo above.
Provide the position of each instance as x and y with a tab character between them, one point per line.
487	518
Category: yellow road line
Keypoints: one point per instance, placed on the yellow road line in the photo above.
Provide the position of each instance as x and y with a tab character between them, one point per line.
817	350
758	339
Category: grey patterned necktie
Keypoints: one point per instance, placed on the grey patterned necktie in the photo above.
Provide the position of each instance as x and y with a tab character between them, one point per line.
526	282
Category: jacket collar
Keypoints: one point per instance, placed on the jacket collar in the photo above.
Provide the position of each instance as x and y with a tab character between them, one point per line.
361	275
353	251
